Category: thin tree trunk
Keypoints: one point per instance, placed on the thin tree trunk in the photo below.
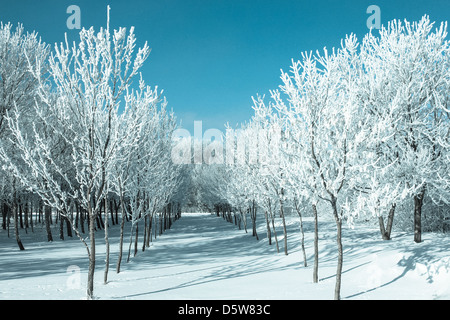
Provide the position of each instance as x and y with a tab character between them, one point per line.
31	217
269	235
4	215
386	232
8	221
255	233
161	223
82	218
149	231
284	227
145	232
91	270
25	209
239	219
41	210
122	225
68	218
77	216
47	217
418	202
136	239
105	277
273	227
316	245
337	289
382	228
61	226
116	210
302	232
16	225
20	207
131	240
156	224
390	221
111	212
100	221
244	219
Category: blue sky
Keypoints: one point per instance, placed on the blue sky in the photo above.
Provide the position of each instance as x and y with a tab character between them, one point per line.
212	56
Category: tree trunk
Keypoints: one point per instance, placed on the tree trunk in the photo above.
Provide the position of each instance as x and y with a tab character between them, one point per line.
112	212
269	235
31	217
382	228
253	209
136	240
390	221
68	219
82	218
105	277
239	219
131	240
149	230
164	220
100	223
386	232
90	285
418	202
4	215
302	232
273	227
41	210
116	210
20	207
316	245
161	222
16	225
47	217
25	212
156	224
244	219
170	216
8	221
337	289
284	227
122	225
77	216
145	232
61	226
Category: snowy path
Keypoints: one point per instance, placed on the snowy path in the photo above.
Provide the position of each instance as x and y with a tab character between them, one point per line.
204	257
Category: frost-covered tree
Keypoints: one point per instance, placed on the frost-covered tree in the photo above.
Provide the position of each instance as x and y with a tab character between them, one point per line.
405	93
322	113
18	51
367	128
90	80
143	125
156	176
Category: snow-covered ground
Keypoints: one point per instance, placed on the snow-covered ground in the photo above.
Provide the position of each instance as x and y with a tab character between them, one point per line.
204	257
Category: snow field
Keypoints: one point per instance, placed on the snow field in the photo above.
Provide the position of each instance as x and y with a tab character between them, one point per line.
204	257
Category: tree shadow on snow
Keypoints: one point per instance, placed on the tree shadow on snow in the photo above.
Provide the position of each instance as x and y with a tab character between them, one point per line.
425	253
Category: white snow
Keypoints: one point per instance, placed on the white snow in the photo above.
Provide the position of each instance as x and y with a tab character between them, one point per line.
204	257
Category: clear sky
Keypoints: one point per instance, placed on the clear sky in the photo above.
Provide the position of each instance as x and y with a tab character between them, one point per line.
212	56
